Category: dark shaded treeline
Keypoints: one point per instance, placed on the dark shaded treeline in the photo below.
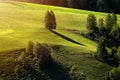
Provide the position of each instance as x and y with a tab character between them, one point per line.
94	5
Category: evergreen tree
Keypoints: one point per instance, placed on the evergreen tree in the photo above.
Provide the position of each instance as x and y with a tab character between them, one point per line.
101	49
109	22
91	22
47	20
101	23
50	20
53	20
96	5
92	26
101	26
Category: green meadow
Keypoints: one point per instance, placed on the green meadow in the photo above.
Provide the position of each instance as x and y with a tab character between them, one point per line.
21	22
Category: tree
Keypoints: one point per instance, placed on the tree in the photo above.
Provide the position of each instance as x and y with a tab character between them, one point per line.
91	22
50	20
101	26
53	21
101	23
101	49
92	26
109	22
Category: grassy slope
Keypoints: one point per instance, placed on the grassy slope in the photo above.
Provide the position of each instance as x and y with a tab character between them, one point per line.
21	22
81	61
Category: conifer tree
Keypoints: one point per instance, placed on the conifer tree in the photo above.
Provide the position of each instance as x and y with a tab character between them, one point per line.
101	49
92	26
91	22
101	26
109	22
101	23
50	20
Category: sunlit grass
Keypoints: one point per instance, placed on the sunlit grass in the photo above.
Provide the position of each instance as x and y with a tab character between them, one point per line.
21	22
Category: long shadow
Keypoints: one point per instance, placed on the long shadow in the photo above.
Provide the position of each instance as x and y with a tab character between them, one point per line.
67	38
56	72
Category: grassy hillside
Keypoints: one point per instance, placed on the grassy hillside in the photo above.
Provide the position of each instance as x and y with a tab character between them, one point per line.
21	22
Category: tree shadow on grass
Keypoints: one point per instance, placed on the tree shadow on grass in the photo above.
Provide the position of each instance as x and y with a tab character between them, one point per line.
67	38
56	72
53	72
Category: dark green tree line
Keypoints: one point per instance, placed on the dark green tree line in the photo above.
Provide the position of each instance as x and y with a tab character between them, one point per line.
94	5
